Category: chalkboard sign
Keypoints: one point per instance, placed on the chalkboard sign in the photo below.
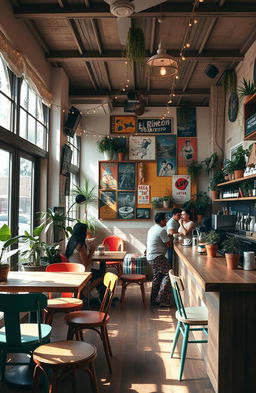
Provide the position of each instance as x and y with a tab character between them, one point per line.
154	126
250	124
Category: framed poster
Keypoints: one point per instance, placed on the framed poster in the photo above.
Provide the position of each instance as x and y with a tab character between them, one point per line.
186	151
143	213
108	175
142	148
126	205
122	124
181	188
166	155
107	205
166	166
143	194
126	176
154	126
186	122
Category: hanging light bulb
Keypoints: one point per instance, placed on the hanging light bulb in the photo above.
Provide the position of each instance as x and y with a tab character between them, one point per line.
163	71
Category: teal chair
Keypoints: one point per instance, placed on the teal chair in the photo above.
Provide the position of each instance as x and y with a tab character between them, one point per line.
17	337
188	318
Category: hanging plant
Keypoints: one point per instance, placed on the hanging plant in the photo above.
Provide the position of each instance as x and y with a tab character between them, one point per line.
135	46
230	81
246	88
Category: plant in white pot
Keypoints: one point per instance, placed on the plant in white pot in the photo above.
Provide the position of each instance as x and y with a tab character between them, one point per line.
212	239
106	145
6	238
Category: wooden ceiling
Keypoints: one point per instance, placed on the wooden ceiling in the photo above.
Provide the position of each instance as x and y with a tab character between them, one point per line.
82	37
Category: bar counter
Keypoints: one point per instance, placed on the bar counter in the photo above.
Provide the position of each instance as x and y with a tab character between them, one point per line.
230	296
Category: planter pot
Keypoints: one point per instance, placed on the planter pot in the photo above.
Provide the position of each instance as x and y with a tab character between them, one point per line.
239	173
226	177
108	155
232	261
215	194
199	218
211	250
166	204
4	270
120	156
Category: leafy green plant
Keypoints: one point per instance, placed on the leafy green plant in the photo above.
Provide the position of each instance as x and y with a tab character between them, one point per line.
56	221
135	46
119	146
157	202
211	163
239	160
228	167
199	203
168	199
246	88
212	237
247	187
218	177
194	169
106	144
88	193
6	237
230	81
231	245
91	225
51	253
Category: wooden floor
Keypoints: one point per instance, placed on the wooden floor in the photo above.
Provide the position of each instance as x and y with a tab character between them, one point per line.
141	341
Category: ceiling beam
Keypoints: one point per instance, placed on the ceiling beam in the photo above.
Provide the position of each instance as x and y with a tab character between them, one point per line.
208	55
101	10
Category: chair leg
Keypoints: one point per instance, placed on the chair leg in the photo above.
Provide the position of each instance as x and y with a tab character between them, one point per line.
184	350
176	337
141	284
93	378
36	379
3	357
105	344
124	285
109	347
71	333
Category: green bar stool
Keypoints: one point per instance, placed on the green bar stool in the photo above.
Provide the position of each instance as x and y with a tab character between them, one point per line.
188	318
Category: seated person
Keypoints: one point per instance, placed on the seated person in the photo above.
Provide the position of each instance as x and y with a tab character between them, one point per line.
186	224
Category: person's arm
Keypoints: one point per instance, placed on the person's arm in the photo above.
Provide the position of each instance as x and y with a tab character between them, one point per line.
165	239
170	230
185	231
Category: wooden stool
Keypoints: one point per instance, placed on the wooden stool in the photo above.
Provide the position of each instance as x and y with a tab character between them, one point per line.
139	279
61	358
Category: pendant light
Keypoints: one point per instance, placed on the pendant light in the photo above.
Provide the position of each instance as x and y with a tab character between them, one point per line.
162	66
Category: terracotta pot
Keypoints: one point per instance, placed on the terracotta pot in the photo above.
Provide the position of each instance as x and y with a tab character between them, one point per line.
232	260
215	194
211	250
199	218
120	156
226	177
239	173
4	270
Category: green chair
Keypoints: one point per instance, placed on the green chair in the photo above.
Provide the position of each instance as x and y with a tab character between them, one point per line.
188	318
17	337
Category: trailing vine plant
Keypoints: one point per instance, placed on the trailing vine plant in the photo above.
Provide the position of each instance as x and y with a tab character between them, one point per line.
135	46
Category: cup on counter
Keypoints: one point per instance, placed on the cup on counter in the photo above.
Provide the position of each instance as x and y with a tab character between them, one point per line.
249	260
101	250
186	241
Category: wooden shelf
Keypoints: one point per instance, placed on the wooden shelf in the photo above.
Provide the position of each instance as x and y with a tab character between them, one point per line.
226	183
235	199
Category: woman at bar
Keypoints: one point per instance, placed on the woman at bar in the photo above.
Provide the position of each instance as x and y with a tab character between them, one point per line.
186	224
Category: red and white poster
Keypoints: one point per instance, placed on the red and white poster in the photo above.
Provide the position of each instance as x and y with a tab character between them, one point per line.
143	194
181	188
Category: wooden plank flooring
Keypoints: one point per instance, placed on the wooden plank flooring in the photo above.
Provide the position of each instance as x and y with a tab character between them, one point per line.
141	341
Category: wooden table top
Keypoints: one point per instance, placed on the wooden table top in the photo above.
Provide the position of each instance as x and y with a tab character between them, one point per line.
45	282
212	273
109	256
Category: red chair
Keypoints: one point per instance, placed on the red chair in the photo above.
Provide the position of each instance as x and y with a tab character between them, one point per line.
114	243
66	302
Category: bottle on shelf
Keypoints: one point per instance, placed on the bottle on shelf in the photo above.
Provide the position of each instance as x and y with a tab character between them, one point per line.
254	188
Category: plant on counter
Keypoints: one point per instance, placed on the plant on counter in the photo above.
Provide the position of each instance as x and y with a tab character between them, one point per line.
231	248
247	88
212	239
194	170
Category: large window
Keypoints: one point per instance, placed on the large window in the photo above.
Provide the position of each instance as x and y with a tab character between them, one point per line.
6	102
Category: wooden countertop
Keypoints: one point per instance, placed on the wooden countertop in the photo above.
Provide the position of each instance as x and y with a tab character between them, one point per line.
212	273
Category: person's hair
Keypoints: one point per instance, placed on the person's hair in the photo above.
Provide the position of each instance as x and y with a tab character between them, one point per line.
189	213
164	161
159	217
187	141
169	163
78	237
175	211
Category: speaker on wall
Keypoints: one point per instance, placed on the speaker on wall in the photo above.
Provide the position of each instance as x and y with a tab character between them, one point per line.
72	121
211	71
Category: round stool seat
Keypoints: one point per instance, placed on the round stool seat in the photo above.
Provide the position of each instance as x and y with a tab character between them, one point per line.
133	277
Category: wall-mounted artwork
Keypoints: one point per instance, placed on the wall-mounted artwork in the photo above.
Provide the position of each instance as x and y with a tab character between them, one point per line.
181	188
107	205
108	175
122	124
166	166
186	151
126	176
166	155
142	148
143	213
154	126
143	194
126	205
186	122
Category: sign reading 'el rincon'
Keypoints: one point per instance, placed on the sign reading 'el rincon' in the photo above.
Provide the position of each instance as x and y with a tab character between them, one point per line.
154	126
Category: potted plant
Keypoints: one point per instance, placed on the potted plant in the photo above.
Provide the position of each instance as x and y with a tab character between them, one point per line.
194	170
106	146
120	147
231	250
202	204
218	177
135	46
157	203
228	169
6	237
246	89
167	201
55	221
211	163
212	239
88	194
239	162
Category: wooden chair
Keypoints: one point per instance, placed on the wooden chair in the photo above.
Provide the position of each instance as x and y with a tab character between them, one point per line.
187	318
127	279
95	320
66	302
59	359
114	243
17	337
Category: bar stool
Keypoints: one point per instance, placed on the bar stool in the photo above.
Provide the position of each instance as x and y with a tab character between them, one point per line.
58	359
127	279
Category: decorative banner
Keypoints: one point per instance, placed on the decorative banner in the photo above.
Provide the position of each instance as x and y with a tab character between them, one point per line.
122	124
166	155
186	151
186	122
154	126
108	175
143	194
181	188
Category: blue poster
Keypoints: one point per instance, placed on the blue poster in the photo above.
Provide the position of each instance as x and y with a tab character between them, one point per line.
186	122
154	126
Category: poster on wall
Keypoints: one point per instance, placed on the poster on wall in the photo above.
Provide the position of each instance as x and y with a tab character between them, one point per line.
122	124
107	205
126	176
108	175
186	151
126	205
181	188
142	148
143	213
166	155
143	194
186	122
154	126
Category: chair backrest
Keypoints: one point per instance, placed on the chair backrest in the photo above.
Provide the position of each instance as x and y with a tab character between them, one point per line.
65	267
177	287
12	305
110	280
113	243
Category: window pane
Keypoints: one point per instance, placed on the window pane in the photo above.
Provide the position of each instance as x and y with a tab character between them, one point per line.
5	112
32	102
31	130
25	195
39	111
23	124
24	95
40	136
5	86
5	166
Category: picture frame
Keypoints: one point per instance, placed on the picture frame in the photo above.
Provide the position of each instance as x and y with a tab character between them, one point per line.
108	175
107	205
143	213
126	176
186	122
154	126
186	151
122	124
142	148
126	205
166	155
